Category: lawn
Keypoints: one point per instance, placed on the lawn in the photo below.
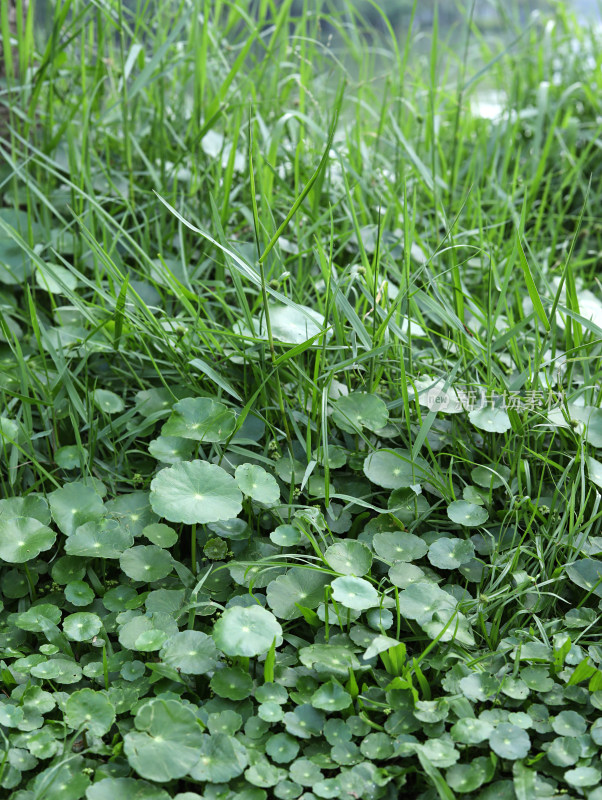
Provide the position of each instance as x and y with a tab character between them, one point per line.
300	335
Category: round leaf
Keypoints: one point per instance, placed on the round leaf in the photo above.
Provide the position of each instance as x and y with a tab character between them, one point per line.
360	410
447	553
99	539
107	401
55	279
171	449
256	483
67	457
146	563
73	505
587	573
232	683
583	776
125	789
191	652
82	626
470	730
490	478
201	419
23	538
331	697
509	741
394	469
493	420
160	534
564	751
304	587
420	601
89	710
282	748
221	758
290	324
467	514
569	723
349	557
355	593
246	631
167	741
286	536
395	546
79	593
195	491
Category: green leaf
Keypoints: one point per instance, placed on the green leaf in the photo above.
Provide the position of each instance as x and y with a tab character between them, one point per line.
171	449
55	279
125	789
467	514
293	325
160	534
191	652
247	631
62	781
89	710
396	546
256	483
329	658
23	538
439	752
201	419
146	563
470	730
33	505
569	723
355	593
99	539
299	587
195	492
221	758
82	626
448	553
564	752
490	477
331	697
395	469
73	505
232	683
349	558
286	536
166	742
360	410
420	601
493	420
107	401
78	593
465	778
60	670
594	469
587	573
509	741
282	748
583	776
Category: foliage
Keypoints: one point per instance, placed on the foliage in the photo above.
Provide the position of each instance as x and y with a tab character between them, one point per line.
257	537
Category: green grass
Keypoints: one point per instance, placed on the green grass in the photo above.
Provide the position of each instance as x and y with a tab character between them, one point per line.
238	247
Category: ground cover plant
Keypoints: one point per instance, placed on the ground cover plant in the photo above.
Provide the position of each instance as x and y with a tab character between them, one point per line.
300	479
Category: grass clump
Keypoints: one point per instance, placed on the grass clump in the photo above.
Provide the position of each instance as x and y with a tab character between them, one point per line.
301	407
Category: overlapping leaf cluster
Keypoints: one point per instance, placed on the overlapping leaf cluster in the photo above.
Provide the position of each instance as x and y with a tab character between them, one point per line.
315	649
